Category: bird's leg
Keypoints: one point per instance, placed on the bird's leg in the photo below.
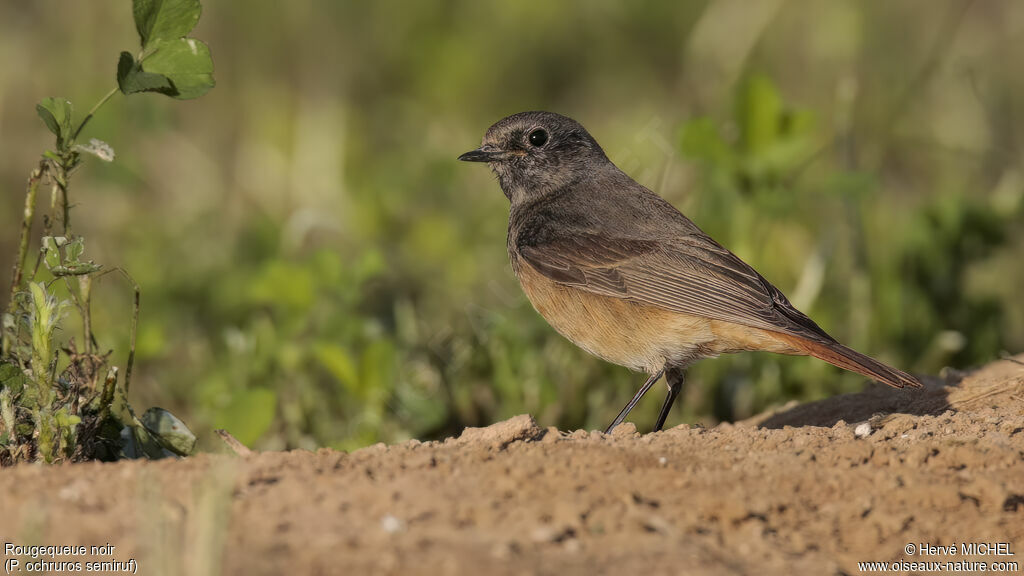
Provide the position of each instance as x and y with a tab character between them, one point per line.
636	398
675	378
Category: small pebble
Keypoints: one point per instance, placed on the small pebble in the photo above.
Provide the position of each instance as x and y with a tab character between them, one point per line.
863	430
391	524
625	430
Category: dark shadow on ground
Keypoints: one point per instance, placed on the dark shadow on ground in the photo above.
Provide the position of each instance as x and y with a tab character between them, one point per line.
879	399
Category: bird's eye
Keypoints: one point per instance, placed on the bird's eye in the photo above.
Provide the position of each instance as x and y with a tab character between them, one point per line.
538	137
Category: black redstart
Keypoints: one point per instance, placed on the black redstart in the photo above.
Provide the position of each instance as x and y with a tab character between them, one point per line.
621	273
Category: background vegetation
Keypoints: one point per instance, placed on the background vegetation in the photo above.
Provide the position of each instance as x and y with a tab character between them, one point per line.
316	269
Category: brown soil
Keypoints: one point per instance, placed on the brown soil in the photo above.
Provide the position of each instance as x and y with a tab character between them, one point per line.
792	492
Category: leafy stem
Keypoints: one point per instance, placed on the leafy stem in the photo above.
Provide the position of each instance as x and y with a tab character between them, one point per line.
26	229
96	107
40	408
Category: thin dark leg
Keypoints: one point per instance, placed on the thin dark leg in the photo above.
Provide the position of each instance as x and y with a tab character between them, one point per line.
636	398
675	379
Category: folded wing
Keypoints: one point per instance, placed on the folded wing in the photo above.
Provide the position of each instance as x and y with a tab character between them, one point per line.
692	274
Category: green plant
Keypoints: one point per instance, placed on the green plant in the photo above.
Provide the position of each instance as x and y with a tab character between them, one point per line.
74	409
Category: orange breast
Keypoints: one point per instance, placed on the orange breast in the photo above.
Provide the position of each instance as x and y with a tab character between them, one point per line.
636	335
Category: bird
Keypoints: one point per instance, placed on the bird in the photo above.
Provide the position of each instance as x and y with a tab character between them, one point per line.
624	275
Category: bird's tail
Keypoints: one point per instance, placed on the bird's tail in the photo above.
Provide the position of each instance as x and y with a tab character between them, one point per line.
849	359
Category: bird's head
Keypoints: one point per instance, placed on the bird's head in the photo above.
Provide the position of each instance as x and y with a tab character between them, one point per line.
534	153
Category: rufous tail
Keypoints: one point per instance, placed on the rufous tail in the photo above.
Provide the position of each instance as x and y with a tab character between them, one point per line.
849	359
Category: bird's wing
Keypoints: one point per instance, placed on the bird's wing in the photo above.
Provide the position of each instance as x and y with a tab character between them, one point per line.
691	274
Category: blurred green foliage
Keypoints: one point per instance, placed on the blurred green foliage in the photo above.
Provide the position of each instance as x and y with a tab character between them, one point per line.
316	269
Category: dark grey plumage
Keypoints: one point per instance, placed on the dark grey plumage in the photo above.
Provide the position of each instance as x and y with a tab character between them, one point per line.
582	224
631	244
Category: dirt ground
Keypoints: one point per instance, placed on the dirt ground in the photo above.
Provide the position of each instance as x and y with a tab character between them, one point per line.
810	489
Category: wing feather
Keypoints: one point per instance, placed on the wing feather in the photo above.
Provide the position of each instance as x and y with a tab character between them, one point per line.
691	274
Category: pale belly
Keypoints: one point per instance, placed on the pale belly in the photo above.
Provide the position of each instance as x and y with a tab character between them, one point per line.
637	336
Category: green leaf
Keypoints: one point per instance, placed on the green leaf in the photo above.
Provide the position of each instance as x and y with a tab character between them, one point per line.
39	300
169	430
138	442
339	363
80	269
74	250
376	370
249	415
56	114
12	378
758	113
702	140
186	63
131	79
164	19
51	248
49	119
66	420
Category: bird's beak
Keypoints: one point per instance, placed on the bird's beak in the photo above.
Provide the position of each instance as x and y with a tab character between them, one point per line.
486	153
